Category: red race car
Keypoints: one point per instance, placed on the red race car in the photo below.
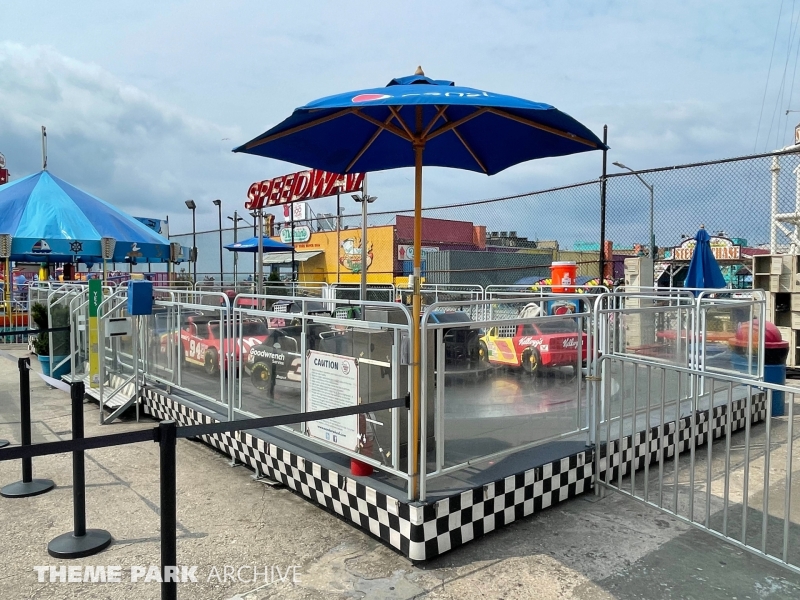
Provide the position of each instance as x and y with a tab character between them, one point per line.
202	342
533	346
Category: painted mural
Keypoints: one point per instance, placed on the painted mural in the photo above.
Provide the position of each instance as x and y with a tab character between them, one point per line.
350	254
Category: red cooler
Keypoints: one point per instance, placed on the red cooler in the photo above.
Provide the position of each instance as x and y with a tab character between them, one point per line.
564	275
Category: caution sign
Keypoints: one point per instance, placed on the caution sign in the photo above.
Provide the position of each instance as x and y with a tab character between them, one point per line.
332	382
95	298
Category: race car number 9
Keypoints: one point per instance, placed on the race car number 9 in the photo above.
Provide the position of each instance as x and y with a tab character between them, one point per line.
195	349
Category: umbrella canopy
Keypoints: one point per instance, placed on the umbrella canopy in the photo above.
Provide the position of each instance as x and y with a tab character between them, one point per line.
704	270
416	121
52	221
251	245
463	128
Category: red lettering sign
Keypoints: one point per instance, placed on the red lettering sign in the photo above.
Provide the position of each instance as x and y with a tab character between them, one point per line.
305	185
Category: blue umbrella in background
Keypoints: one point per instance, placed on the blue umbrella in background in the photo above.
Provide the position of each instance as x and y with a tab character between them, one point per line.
251	245
704	271
417	121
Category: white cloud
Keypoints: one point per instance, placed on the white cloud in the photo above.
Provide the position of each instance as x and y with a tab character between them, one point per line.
110	138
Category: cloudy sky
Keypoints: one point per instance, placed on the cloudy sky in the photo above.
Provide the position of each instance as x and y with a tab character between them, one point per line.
144	100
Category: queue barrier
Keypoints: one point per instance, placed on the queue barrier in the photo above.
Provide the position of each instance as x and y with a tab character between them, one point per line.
166	435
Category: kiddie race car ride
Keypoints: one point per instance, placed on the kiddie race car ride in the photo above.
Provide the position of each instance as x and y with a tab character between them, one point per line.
462	347
533	346
277	358
293	307
202	342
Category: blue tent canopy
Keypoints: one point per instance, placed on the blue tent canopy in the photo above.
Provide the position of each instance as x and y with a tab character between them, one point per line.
52	221
251	245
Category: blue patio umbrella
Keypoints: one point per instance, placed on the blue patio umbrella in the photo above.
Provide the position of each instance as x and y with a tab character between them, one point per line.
704	271
52	221
251	245
416	121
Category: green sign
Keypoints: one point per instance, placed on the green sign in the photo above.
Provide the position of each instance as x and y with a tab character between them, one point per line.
95	296
301	234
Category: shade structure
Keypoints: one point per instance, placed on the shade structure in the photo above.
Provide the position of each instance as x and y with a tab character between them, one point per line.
704	271
251	245
458	127
417	121
279	258
51	220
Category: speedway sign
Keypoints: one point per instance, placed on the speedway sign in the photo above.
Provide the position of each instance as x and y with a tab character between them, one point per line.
305	185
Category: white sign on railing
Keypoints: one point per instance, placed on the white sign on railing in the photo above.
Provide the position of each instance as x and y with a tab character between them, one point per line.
332	382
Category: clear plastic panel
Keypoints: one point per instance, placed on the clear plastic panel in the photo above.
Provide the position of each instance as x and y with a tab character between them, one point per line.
523	386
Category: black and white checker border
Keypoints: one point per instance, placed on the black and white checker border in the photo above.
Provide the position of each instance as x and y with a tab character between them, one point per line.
641	448
418	531
424	531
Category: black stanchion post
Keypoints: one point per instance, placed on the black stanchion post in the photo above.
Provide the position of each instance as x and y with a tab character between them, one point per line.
167	440
28	486
80	542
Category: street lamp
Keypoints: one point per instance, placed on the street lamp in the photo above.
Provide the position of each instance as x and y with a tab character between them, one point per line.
235	218
192	206
254	215
650	188
218	204
364	199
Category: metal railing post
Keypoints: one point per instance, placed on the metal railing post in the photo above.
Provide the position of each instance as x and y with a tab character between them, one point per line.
80	542
167	442
28	486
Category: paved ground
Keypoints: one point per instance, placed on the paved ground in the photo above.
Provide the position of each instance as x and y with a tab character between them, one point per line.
586	549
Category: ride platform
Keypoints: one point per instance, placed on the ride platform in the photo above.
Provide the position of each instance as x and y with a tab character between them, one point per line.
461	506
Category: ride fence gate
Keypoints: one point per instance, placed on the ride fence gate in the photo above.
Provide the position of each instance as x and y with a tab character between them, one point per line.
690	436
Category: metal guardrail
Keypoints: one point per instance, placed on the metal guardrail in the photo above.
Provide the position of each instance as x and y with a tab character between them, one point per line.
710	490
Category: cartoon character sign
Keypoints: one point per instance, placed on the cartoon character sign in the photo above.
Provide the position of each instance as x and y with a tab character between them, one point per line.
350	255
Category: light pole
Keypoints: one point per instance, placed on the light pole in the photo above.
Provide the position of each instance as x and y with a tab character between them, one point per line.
235	218
218	204
192	206
364	199
649	187
254	215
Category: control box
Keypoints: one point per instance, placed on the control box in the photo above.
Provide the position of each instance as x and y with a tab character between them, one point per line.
140	297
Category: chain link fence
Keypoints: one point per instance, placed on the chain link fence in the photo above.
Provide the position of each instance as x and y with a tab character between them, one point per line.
515	238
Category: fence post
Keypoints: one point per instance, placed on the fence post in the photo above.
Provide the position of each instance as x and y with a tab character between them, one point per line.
28	486
81	542
167	440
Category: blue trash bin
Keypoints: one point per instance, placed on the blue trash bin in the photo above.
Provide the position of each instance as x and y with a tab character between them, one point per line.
772	374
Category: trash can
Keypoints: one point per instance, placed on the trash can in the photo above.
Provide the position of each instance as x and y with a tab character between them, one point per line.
775	352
